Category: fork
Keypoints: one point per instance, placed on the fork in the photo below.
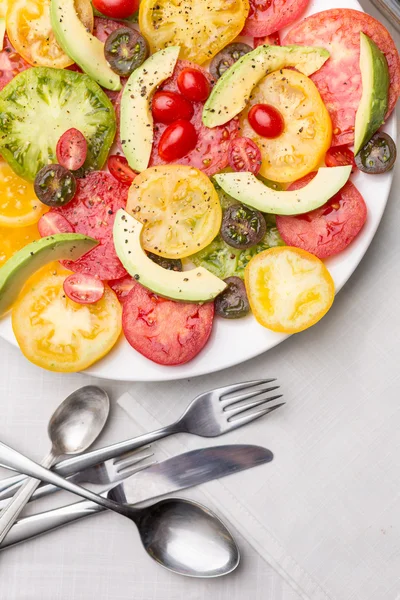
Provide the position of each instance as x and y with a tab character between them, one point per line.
103	474
210	414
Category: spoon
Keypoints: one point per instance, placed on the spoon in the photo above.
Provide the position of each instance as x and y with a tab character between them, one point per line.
73	427
182	536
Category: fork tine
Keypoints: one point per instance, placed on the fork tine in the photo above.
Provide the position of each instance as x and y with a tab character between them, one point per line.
131	453
236	387
244	420
131	461
230	401
244	408
128	471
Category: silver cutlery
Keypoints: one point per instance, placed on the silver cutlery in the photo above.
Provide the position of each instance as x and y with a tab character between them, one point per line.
182	536
74	427
210	414
183	471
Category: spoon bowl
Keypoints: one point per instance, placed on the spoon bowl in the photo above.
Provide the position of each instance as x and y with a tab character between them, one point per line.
76	423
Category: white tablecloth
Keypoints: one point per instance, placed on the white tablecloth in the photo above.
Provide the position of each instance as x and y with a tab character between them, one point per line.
101	558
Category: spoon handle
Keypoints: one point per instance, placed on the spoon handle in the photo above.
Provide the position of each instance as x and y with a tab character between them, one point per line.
10	513
23	464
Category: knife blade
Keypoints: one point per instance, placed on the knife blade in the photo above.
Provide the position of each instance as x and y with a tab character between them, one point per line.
180	472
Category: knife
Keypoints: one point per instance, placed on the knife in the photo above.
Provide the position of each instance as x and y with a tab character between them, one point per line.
183	471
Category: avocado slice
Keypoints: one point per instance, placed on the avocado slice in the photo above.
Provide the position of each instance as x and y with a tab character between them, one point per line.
232	91
136	118
196	285
80	45
375	95
246	188
14	273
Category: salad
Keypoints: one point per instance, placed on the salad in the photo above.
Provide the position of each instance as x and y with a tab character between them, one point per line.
157	174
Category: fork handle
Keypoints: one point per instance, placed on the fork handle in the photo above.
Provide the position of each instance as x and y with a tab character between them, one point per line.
30	527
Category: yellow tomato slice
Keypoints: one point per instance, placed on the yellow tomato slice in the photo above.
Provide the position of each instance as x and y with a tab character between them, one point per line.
30	32
200	27
19	205
289	289
58	334
179	208
308	128
13	239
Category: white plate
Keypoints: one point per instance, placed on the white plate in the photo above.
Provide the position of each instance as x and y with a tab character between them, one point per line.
234	342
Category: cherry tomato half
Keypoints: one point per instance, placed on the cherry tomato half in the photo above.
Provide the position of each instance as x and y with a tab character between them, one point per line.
71	149
244	155
266	120
83	288
116	9
52	223
178	139
339	156
167	107
193	85
120	169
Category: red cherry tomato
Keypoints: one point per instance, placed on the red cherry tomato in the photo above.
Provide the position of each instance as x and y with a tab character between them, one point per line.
328	229
270	40
193	85
119	168
52	222
116	9
178	139
83	289
167	107
244	155
340	156
71	149
266	120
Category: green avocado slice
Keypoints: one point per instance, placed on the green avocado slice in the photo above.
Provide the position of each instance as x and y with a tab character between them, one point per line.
375	95
196	285
232	91
80	45
34	256
246	188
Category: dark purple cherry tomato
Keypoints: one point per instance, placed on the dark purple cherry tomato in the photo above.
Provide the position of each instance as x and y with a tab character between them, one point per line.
232	303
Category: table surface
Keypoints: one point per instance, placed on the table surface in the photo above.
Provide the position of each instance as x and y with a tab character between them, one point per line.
101	558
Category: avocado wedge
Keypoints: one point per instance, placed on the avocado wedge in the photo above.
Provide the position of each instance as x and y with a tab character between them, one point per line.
80	45
34	256
246	188
232	91
196	285
375	95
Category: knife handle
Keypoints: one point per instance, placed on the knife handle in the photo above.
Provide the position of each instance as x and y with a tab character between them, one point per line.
30	527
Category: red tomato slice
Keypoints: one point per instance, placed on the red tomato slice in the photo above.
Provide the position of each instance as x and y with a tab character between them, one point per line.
340	156
11	63
71	149
267	16
83	289
339	80
165	331
122	287
273	39
92	212
119	168
51	223
327	230
244	155
211	152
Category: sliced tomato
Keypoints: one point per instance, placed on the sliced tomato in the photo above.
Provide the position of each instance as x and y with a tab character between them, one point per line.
210	154
58	334
11	63
122	287
274	39
92	212
327	230
166	332
103	27
19	205
13	239
289	289
29	29
53	222
339	80
71	149
340	156
244	155
83	289
120	169
268	16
